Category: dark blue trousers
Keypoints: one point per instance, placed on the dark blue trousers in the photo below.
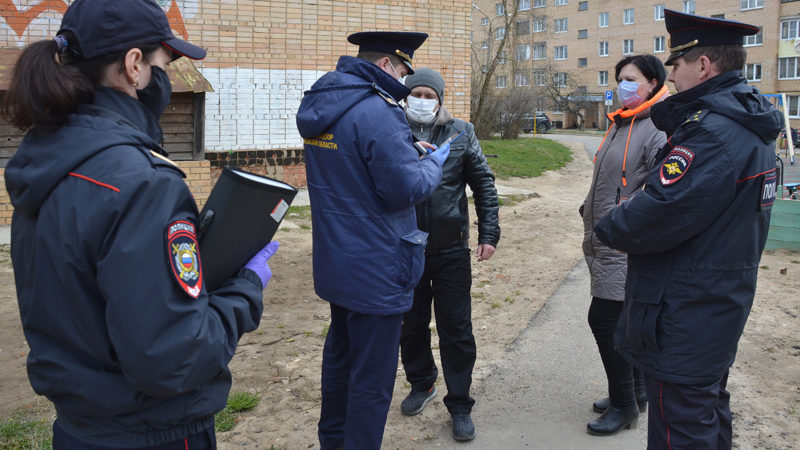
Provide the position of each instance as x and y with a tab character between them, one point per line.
695	417
204	440
359	366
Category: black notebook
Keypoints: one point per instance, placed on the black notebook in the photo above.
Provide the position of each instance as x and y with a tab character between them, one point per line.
240	217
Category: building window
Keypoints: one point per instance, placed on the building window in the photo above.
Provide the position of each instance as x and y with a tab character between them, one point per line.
602	20
539	24
560	79
583	34
789	28
560	2
560	25
658	44
524	5
539	50
627	16
602	48
627	46
794	105
501	57
523	52
788	68
721	16
583	62
688	6
537	78
583	6
484	21
602	78
523	27
500	9
560	52
521	79
658	12
755	39
485	44
539	3
501	33
500	81
751	4
752	72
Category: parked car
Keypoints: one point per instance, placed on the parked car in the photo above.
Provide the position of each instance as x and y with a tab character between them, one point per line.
543	123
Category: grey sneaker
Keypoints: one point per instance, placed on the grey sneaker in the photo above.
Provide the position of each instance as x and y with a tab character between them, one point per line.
416	401
463	429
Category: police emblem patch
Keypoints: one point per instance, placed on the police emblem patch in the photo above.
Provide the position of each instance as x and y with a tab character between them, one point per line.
184	256
675	165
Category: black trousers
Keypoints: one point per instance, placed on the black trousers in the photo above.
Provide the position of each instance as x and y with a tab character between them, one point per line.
204	440
603	318
446	283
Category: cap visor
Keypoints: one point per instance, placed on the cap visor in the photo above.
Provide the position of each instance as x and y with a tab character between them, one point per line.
410	69
183	48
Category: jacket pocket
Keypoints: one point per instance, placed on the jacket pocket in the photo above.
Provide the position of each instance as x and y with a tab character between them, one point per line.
642	311
412	258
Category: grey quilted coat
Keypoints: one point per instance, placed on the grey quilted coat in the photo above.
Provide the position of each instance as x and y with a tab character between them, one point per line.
608	267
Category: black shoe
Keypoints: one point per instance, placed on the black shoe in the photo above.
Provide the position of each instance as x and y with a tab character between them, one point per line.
463	429
613	420
416	401
602	405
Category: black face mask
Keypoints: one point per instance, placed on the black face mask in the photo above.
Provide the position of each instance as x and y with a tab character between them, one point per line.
156	95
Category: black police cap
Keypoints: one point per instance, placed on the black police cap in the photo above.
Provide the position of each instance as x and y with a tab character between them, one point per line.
103	27
687	31
400	44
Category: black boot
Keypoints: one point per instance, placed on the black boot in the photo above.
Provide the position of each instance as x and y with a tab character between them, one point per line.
613	420
602	405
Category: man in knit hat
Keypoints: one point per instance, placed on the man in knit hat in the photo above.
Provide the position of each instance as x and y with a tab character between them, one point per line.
447	278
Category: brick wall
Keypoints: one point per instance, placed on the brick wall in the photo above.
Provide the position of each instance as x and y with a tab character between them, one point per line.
5	203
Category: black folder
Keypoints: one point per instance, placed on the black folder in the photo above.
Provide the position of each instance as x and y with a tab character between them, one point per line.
240	217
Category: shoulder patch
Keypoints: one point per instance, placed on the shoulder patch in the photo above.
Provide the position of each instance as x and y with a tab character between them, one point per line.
675	165
697	116
184	257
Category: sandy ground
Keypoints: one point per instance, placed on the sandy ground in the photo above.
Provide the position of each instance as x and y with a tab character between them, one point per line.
540	245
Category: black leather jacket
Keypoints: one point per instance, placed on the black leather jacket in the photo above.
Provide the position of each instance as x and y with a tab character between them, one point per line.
444	215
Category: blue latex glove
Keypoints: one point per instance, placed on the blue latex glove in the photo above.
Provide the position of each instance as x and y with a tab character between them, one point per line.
440	154
258	263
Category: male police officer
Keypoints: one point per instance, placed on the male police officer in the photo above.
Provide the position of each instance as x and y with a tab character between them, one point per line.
364	178
695	234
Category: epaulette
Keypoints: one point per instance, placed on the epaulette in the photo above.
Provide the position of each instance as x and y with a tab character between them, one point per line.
697	116
162	157
388	99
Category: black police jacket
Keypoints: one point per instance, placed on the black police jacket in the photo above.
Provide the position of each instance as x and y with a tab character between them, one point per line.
445	215
696	232
128	355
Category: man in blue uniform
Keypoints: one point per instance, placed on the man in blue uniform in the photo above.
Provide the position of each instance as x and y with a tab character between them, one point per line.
695	234
364	178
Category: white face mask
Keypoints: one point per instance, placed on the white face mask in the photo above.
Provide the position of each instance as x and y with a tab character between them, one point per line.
421	110
397	76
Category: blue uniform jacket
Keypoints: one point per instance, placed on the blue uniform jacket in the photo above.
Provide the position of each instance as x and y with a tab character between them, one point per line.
364	178
126	355
696	232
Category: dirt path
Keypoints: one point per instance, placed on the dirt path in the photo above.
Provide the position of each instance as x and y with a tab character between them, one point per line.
540	244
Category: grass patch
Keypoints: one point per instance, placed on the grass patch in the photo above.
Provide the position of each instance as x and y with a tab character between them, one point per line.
525	157
26	429
238	402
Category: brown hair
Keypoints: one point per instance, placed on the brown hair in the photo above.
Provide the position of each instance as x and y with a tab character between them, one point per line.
727	57
43	91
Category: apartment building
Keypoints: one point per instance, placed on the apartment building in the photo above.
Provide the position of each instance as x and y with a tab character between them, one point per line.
582	41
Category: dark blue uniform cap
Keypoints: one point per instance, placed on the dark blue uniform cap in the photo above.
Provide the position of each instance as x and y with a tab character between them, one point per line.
103	27
400	44
687	31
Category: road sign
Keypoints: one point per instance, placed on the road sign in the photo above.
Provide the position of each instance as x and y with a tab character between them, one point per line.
609	98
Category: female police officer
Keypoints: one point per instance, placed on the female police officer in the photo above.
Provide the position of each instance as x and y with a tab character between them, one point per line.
124	339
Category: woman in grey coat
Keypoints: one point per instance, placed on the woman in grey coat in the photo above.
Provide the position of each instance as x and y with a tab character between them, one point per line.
622	162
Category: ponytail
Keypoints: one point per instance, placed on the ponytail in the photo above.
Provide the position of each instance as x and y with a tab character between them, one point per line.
43	92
